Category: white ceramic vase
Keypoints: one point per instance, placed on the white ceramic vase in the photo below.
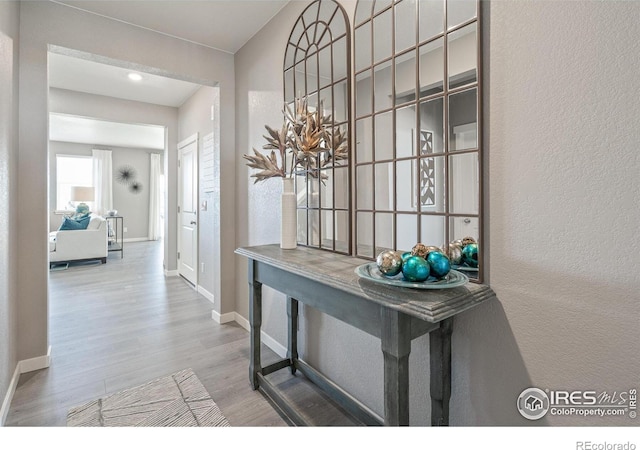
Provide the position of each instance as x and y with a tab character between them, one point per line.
288	227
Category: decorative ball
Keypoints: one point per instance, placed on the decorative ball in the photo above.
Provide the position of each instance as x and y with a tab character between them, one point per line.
458	242
416	268
389	263
419	250
470	255
439	264
468	240
453	252
405	255
432	248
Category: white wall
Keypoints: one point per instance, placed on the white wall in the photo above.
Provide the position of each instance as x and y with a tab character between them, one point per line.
563	193
561	213
43	24
195	117
9	14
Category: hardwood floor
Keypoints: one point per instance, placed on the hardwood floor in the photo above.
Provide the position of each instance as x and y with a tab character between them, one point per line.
121	324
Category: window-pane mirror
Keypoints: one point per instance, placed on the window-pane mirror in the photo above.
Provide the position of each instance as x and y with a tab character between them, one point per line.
417	128
317	68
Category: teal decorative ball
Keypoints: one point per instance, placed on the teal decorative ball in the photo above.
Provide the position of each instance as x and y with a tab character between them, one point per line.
470	255
439	264
389	263
405	255
416	268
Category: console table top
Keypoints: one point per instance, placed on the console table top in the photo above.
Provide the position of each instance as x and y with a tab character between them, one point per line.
431	305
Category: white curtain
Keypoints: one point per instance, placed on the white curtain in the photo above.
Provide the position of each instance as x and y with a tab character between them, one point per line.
155	197
102	181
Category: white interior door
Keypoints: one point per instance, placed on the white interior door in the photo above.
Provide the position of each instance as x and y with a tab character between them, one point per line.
188	209
466	183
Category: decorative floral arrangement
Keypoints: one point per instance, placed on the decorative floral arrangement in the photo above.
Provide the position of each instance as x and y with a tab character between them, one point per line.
306	143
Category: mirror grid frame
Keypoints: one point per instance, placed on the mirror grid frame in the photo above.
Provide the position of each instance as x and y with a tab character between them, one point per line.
323	222
368	14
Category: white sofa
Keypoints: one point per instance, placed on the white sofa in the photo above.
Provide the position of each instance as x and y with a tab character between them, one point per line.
80	245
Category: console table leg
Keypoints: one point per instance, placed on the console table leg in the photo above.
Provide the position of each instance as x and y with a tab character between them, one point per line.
440	362
255	322
396	346
292	313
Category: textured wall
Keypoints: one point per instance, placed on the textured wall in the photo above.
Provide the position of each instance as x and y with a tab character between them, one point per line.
195	117
561	209
46	23
563	190
259	100
9	14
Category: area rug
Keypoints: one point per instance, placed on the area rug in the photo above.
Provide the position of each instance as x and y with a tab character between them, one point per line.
177	400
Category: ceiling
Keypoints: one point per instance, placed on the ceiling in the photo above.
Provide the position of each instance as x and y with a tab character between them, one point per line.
76	74
221	24
85	130
224	25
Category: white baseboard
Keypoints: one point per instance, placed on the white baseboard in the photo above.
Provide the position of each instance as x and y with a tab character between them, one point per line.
223	318
37	363
142	239
267	340
4	411
170	273
244	323
23	366
206	294
274	345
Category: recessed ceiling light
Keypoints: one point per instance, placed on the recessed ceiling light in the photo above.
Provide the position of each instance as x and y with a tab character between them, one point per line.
135	76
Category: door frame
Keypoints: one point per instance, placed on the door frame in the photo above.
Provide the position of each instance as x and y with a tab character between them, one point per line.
191	139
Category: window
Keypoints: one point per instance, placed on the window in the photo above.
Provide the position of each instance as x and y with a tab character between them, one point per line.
72	171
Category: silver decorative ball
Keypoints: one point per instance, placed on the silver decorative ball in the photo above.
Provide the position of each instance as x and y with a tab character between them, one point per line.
468	240
420	250
454	252
389	262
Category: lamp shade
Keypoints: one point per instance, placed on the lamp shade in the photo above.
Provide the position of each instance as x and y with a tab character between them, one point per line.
82	193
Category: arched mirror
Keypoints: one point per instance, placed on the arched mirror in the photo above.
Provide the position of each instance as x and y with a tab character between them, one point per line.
317	70
417	126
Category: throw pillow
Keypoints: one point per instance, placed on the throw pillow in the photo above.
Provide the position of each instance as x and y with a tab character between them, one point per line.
74	224
78	216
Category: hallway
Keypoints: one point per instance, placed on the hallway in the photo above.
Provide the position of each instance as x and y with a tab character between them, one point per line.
121	324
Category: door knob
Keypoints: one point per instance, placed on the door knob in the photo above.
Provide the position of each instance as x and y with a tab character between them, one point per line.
193	222
467	220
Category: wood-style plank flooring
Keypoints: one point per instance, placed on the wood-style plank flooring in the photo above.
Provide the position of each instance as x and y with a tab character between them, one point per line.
121	324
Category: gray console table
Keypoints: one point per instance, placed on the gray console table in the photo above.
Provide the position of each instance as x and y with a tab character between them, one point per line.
327	282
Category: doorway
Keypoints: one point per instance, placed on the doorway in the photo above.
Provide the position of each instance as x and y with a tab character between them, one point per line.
188	209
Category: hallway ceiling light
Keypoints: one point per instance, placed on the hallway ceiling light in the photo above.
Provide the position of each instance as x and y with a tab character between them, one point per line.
135	76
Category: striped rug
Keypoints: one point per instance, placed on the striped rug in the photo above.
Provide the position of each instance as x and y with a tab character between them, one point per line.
177	400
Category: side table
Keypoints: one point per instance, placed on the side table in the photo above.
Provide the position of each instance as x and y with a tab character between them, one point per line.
116	241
